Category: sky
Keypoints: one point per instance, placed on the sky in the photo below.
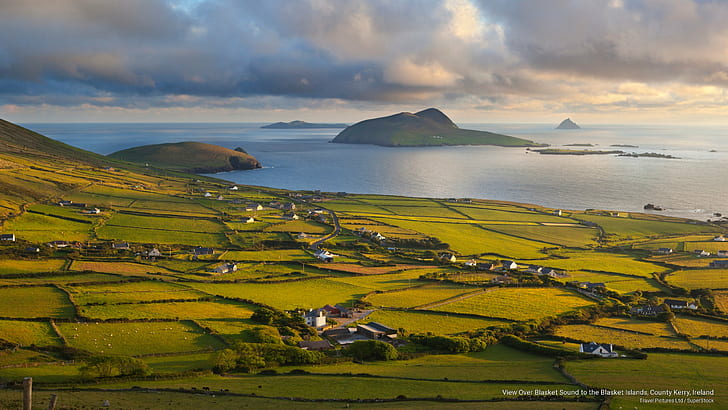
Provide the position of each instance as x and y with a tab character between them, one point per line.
480	61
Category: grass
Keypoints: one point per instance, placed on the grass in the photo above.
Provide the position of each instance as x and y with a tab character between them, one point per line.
619	229
179	363
697	326
410	298
618	283
119	268
629	340
655	328
387	281
41	228
23	303
132	339
132	292
172	310
660	371
15	266
427	209
571	236
416	321
509	213
602	262
148	235
231	329
166	223
721	300
268	256
72	277
469	239
519	303
311	227
305	294
497	362
27	333
699	278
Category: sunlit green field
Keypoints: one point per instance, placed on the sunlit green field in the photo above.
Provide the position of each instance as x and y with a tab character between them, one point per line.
131	339
418	321
171	310
14	266
700	278
27	333
121	268
132	292
629	340
24	303
640	325
38	228
410	298
618	283
306	294
602	262
519	303
697	326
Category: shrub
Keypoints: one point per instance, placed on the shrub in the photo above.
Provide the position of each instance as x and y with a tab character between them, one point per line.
372	350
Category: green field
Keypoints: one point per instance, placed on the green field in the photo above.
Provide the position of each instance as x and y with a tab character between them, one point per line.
38	228
305	294
660	371
620	229
655	328
132	339
700	278
469	239
601	262
155	236
618	283
12	266
423	295
629	340
417	321
269	256
519	303
27	333
697	326
571	236
131	292
119	268
172	310
23	303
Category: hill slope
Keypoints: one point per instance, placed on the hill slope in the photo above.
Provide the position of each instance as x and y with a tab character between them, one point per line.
196	157
302	125
430	127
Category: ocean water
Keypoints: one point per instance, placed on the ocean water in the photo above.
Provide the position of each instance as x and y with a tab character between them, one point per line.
693	186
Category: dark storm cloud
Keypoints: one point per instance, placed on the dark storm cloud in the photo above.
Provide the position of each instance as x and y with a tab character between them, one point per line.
106	53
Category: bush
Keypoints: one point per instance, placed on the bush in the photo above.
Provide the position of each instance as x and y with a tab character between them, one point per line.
372	350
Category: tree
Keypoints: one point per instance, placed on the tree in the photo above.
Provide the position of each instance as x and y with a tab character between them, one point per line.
264	316
110	366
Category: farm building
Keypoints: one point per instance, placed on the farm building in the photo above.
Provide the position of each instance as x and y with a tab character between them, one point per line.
510	265
719	238
448	257
502	280
121	246
700	252
290	216
58	244
485	266
315	318
226	268
324	255
664	251
202	251
8	237
253	207
154	253
679	304
250	220
722	254
599	349
647	310
374	330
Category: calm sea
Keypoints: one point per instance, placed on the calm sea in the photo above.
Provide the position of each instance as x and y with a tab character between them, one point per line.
693	186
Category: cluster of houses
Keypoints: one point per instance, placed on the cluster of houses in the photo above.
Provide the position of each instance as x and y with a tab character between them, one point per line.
373	235
655	310
317	317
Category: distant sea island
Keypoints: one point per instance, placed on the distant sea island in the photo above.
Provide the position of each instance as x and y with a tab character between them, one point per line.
430	127
302	124
193	157
567	124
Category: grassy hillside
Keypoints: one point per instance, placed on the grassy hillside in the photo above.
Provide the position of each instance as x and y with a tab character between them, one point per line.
429	127
189	157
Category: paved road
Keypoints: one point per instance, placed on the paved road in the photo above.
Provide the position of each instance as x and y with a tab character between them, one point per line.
337	228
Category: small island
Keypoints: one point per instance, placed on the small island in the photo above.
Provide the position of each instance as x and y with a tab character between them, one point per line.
430	127
297	124
567	124
647	155
194	157
624	146
558	151
579	145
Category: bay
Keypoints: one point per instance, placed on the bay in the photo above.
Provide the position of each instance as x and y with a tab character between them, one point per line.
692	186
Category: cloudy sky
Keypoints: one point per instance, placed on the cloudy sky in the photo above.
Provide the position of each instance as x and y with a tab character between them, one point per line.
596	61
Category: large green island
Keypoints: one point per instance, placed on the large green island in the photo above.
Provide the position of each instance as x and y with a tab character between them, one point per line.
126	286
430	127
